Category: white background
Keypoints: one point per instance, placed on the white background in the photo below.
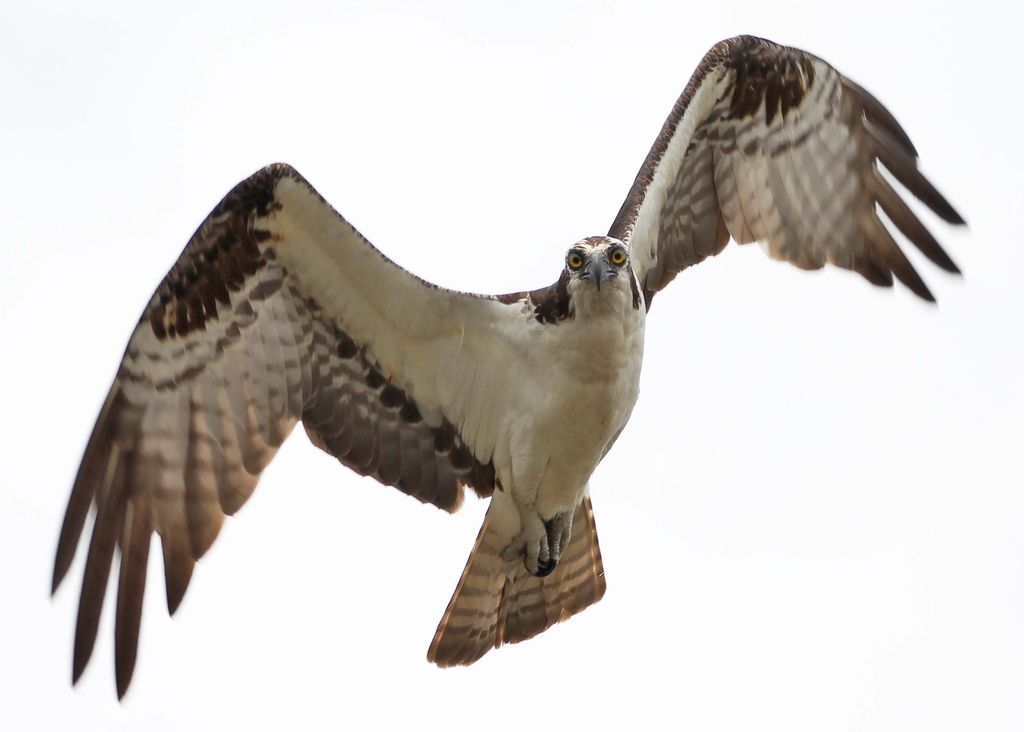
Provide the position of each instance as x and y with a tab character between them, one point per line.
814	520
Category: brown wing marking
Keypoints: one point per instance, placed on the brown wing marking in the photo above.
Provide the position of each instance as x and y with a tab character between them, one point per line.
228	356
788	154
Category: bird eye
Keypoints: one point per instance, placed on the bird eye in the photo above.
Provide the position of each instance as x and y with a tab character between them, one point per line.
619	257
574	260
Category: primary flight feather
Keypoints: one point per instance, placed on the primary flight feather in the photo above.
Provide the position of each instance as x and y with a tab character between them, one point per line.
278	311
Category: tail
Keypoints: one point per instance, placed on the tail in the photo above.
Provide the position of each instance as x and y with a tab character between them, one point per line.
498	601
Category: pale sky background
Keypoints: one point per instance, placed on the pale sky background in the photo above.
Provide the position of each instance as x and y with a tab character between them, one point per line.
815	520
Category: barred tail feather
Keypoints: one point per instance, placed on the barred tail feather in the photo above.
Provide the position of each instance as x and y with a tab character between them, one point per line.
497	601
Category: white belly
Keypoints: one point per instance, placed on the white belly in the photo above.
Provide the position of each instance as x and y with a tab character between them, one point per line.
577	403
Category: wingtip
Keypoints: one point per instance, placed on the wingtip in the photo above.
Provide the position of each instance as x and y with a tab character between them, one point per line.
912	280
945	211
78	664
174	597
61	567
55	582
85	638
927	296
178	567
124	680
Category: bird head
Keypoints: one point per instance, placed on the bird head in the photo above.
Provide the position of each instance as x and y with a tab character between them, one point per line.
598	262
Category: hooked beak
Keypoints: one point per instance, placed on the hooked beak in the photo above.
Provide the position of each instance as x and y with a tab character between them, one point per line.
598	270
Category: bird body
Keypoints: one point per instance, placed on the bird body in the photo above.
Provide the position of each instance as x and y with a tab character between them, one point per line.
582	380
279	311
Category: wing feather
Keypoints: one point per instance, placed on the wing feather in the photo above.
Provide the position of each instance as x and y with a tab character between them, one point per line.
277	311
782	149
137	534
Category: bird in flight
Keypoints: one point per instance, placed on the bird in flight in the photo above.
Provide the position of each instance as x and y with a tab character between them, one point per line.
279	311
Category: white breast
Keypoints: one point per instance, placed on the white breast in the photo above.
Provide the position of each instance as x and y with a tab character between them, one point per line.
582	382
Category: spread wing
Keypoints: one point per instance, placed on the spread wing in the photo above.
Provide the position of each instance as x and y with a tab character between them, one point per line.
771	144
276	311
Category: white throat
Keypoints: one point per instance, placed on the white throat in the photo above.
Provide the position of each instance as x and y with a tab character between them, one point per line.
614	298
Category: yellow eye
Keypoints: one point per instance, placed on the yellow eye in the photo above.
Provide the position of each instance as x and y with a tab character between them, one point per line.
619	257
574	260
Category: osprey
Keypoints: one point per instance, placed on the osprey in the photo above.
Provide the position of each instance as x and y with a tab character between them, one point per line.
279	311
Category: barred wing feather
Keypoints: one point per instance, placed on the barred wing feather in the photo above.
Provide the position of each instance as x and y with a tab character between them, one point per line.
771	144
277	311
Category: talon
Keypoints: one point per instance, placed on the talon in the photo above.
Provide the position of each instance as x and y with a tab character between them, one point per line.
545	568
543	542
